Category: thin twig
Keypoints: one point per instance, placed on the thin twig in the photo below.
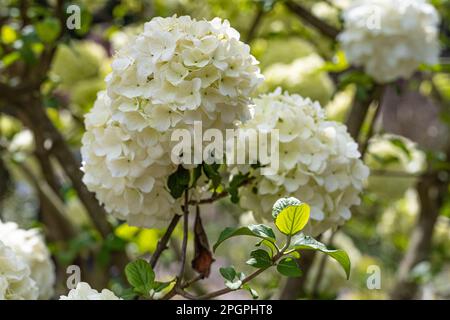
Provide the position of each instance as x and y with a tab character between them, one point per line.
218	196
185	235
254	26
245	280
304	14
162	243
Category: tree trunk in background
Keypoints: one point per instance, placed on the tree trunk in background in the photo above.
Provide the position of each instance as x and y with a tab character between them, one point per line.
421	238
42	127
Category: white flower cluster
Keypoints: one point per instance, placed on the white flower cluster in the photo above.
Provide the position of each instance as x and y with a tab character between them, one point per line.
15	280
30	247
319	162
177	71
390	38
83	291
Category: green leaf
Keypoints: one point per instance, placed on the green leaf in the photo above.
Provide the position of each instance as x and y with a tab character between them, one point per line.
272	246
291	215
228	273
302	242
289	267
233	188
211	171
48	29
260	259
178	182
255	230
140	275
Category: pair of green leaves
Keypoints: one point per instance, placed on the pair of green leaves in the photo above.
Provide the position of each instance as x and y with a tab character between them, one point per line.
290	217
141	276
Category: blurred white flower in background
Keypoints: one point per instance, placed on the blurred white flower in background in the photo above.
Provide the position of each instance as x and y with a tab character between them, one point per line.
22	141
396	154
390	38
319	162
15	280
83	291
30	247
177	71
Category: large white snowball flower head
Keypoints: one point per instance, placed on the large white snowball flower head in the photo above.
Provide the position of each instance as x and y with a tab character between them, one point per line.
30	246
15	280
83	291
318	162
177	71
390	38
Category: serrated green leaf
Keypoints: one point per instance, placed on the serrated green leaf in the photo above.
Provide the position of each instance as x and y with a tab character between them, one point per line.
289	267
140	275
228	273
255	230
302	242
260	259
291	215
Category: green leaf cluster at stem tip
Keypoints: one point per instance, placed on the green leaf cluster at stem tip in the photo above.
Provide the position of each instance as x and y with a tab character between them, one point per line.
290	217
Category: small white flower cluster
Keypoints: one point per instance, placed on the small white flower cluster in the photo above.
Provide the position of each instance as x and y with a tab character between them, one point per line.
319	162
83	291
15	277
390	38
30	247
177	71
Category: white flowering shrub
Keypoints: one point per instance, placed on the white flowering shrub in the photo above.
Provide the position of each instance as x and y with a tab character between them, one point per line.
83	291
29	245
390	38
177	71
15	280
319	162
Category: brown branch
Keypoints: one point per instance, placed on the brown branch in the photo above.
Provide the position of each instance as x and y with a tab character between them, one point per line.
42	127
162	243
255	24
60	228
185	237
305	15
